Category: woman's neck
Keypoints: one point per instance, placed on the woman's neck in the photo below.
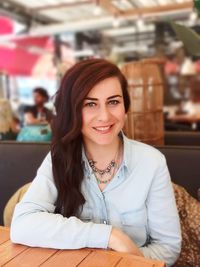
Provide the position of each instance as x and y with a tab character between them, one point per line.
102	154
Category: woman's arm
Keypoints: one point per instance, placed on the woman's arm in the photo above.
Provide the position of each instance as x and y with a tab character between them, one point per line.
163	220
120	242
35	224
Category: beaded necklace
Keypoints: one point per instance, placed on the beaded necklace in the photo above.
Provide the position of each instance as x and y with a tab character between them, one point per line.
112	165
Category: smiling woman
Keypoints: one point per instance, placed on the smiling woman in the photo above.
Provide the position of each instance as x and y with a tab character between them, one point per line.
97	188
103	112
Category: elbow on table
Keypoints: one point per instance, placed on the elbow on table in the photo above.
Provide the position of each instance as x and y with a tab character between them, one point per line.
16	235
19	232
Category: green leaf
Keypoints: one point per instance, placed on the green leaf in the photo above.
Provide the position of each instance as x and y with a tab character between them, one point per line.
190	39
197	5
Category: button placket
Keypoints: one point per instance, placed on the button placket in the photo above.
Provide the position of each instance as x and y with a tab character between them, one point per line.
105	213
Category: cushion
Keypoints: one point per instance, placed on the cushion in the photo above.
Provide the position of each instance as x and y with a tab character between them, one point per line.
189	212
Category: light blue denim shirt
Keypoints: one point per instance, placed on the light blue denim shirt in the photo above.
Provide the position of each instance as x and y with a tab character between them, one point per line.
139	200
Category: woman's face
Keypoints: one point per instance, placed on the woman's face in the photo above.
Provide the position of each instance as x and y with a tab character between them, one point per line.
103	112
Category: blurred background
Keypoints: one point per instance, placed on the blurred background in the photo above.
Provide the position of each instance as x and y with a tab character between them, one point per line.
40	40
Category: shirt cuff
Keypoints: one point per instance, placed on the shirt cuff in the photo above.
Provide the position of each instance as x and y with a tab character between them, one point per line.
145	252
99	236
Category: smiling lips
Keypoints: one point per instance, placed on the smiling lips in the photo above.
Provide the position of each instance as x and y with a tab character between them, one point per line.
103	129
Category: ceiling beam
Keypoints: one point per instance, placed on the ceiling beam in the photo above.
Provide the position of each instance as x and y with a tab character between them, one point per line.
158	9
108	6
57	28
57	6
23	13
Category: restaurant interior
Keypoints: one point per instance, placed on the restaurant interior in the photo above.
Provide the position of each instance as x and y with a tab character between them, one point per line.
155	43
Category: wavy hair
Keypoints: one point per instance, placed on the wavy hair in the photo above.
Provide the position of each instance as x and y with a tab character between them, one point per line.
66	147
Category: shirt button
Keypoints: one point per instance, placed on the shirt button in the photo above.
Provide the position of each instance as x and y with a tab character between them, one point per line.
105	222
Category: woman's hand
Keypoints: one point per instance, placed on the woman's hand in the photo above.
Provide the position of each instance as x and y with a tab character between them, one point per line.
120	242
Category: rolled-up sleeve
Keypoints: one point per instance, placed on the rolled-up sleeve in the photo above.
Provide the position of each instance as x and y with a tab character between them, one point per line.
35	224
163	220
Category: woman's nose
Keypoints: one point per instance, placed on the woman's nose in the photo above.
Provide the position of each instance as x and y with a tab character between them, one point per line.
103	114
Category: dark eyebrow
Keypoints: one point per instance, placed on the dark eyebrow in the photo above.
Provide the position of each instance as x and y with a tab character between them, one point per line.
113	96
91	98
96	99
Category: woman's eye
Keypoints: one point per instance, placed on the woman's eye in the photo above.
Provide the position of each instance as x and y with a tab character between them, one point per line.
90	104
113	102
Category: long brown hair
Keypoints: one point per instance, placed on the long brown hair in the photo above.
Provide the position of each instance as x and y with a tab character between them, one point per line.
66	147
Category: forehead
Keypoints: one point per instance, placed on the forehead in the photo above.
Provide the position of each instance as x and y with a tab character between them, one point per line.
106	88
37	94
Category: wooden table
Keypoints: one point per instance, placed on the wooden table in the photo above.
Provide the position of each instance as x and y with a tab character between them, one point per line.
23	256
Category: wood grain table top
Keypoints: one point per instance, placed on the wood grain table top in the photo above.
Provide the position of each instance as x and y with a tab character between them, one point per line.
23	256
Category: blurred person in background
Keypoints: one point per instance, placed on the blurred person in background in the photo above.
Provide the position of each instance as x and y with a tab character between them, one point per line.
42	113
9	123
192	105
41	97
30	116
34	130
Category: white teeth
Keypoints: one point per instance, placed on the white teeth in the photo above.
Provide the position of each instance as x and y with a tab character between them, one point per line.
102	128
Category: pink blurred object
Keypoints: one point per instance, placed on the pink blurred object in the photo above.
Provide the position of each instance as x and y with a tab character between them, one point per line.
30	56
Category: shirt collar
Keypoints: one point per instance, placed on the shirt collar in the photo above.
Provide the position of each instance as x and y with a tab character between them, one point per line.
85	162
126	152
